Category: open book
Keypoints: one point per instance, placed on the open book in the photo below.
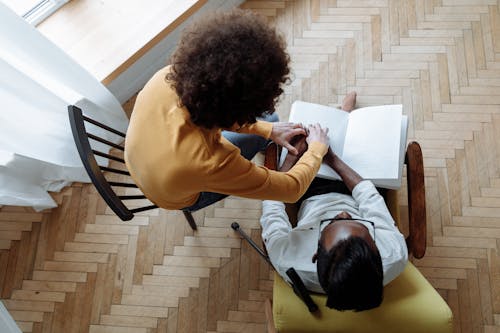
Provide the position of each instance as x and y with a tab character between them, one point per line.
371	140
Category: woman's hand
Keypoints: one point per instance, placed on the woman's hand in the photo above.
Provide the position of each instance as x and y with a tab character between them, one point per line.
283	133
317	133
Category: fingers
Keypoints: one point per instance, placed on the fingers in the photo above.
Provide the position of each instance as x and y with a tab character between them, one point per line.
317	127
290	125
295	125
297	128
291	149
298	131
288	130
317	133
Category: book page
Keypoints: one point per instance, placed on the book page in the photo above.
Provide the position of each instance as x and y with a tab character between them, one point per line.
335	119
396	183
402	148
372	142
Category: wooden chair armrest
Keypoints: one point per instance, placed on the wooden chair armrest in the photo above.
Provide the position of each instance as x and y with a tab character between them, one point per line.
271	156
417	238
268	309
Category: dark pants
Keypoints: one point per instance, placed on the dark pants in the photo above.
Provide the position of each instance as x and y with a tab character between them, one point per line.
322	186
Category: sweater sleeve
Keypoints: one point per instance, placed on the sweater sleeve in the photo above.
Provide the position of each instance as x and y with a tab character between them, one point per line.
261	128
235	175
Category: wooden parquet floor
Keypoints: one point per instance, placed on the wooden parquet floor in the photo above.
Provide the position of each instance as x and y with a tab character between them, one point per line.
77	268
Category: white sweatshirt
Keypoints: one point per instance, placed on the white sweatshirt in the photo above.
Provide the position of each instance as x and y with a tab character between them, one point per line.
294	247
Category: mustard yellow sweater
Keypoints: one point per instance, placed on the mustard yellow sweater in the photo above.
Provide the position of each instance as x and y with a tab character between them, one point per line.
172	160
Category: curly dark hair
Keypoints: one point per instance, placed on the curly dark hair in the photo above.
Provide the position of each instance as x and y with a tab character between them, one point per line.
229	68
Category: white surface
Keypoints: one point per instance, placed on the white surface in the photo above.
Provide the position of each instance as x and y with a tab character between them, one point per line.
370	140
135	77
38	82
7	324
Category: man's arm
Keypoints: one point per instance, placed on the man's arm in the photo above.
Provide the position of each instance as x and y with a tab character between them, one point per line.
300	144
275	229
371	204
350	177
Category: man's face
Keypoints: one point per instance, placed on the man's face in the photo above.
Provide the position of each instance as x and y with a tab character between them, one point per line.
339	230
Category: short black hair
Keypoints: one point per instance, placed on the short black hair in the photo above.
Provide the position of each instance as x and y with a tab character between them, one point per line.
351	275
228	68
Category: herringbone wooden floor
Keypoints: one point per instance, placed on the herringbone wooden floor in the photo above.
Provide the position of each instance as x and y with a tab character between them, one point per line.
77	268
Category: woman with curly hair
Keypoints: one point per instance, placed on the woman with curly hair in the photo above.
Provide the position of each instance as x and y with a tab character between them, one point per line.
195	128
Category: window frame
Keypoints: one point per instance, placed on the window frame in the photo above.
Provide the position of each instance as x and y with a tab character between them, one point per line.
42	10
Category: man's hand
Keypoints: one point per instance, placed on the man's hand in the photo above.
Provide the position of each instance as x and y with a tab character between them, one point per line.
283	133
350	177
300	144
329	157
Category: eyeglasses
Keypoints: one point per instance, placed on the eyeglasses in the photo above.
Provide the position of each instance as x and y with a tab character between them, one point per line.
336	219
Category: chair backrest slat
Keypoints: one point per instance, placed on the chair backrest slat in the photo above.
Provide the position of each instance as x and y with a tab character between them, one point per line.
121	172
100	153
122	184
141	209
107	128
131	197
109	143
93	169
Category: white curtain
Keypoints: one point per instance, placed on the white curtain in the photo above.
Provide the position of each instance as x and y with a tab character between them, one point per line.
37	83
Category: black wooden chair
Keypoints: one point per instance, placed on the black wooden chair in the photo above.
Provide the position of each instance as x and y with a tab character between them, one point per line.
96	172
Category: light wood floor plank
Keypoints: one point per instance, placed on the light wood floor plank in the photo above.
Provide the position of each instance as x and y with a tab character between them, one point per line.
78	268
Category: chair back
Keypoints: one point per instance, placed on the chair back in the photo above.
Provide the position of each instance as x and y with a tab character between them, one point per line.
97	172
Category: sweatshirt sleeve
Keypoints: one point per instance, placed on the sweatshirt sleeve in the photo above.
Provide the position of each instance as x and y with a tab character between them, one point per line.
235	175
276	228
388	238
261	128
372	205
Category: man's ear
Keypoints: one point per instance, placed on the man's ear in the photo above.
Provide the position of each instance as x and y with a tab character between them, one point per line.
315	257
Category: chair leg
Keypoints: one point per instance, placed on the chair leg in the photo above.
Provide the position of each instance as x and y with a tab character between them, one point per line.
190	219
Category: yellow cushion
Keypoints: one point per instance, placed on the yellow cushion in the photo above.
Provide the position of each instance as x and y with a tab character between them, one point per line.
410	304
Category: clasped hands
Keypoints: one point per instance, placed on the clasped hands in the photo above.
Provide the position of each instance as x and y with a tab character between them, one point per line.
296	138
